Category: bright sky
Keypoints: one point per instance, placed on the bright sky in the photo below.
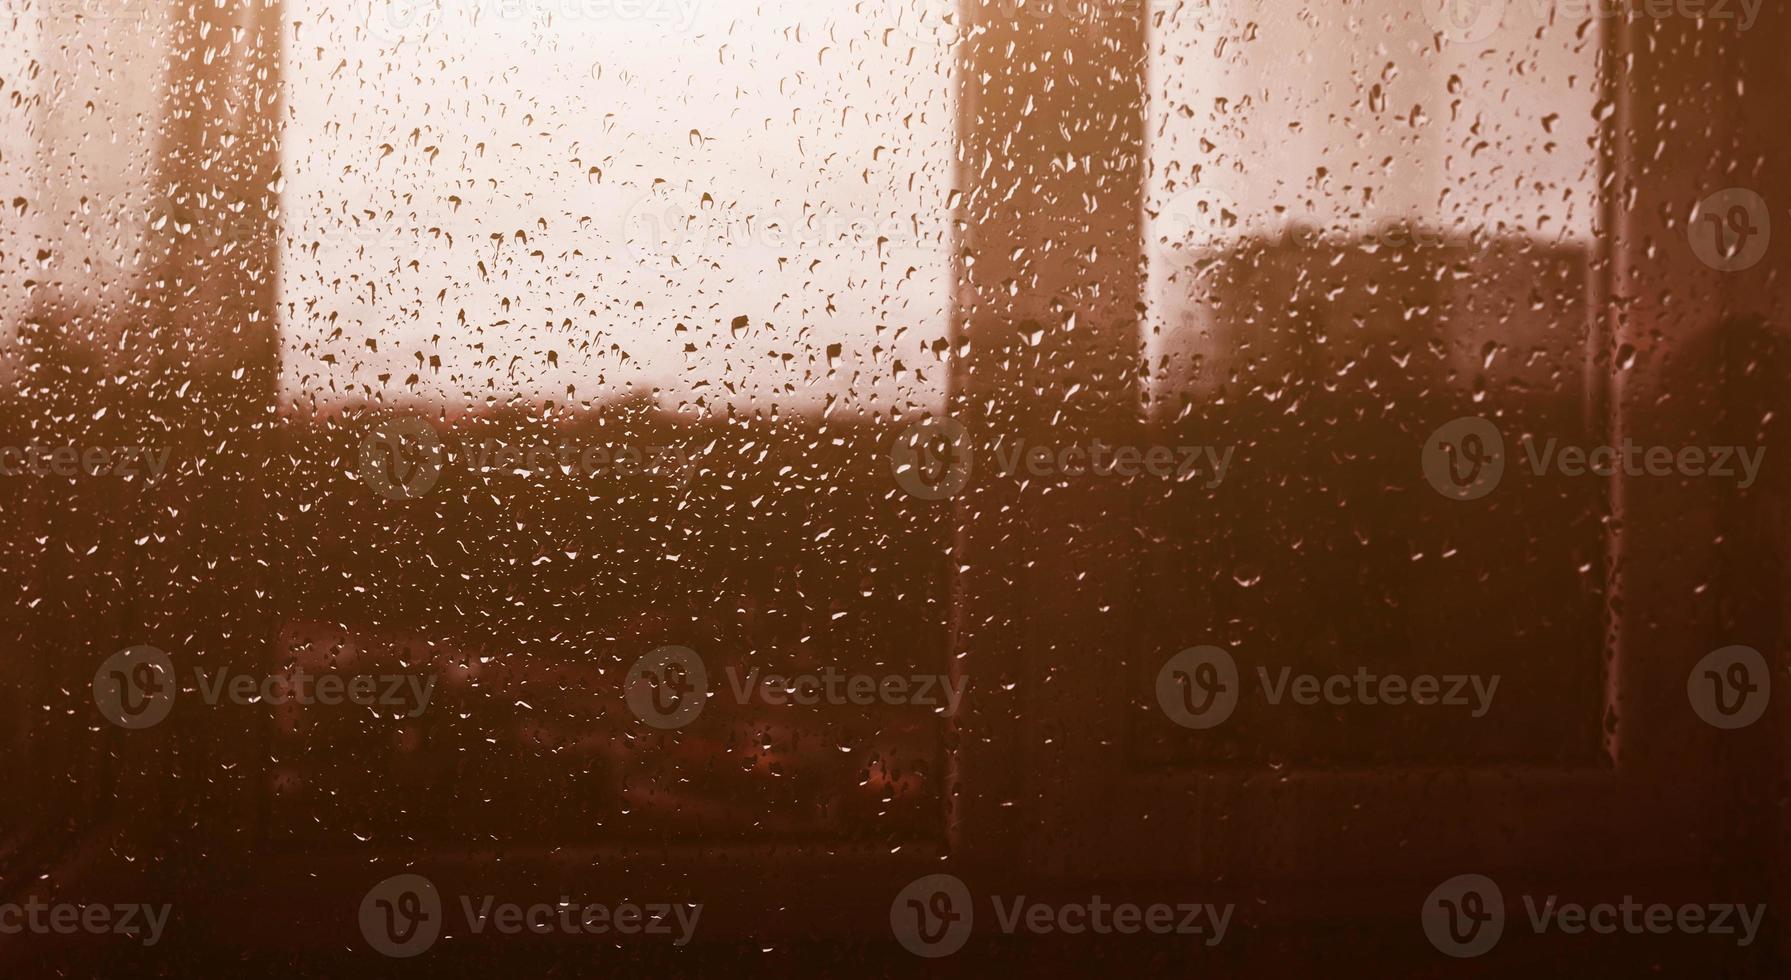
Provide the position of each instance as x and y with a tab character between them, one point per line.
1345	116
574	200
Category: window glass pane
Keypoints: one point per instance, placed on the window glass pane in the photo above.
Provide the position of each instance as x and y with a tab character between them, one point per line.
81	125
1363	221
549	200
712	236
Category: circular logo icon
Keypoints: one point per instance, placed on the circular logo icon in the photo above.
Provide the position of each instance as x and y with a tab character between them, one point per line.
1464	21
657	229
1465	459
668	687
1465	916
134	688
363	230
1198	687
1195	217
377	232
401	459
932	458
1730	687
389	21
932	916
1729	230
402	915
925	25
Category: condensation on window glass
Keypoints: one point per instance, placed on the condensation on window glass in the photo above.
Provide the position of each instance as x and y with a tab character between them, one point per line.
574	201
1370	126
